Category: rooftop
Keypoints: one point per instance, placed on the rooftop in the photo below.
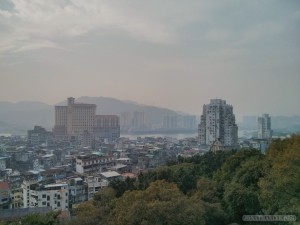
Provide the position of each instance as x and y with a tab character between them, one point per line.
4	186
110	174
55	185
130	175
91	157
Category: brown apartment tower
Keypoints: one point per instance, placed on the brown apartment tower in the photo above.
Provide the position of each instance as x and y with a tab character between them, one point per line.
75	118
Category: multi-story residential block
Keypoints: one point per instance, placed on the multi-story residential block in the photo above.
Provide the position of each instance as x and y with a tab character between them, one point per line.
78	191
95	183
16	199
86	139
73	119
36	194
218	123
93	164
107	127
264	130
38	135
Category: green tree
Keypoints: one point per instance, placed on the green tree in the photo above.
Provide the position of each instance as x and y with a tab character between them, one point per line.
96	211
51	218
207	190
160	203
240	201
280	192
237	183
230	166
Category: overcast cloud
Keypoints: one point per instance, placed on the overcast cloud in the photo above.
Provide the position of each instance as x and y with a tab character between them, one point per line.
171	53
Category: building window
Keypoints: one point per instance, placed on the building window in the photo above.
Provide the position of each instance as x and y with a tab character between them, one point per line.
44	196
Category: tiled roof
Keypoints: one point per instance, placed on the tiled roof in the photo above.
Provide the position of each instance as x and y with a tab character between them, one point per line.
4	185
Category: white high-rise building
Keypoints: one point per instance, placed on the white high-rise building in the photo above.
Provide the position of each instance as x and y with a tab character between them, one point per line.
264	127
218	124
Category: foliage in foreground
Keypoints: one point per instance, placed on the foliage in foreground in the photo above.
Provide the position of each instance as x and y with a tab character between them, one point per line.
51	218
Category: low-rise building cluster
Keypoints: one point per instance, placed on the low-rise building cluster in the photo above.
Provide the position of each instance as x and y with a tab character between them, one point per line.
59	174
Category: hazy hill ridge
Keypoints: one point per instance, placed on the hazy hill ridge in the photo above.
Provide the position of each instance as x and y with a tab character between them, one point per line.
26	114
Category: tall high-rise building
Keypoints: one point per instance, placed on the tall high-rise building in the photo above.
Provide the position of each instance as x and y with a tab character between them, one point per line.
218	124
74	119
264	127
79	121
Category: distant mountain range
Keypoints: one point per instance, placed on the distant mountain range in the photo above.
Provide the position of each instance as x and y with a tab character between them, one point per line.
21	116
17	118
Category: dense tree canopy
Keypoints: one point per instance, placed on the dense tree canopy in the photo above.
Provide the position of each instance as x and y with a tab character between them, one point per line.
280	186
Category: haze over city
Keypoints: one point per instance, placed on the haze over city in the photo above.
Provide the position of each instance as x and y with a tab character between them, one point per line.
173	54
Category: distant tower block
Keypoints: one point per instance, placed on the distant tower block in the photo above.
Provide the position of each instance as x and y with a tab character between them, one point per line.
264	130
218	123
75	118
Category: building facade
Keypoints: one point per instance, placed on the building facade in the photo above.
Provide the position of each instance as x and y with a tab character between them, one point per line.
218	123
93	164
264	130
74	119
79	122
38	135
38	195
107	127
77	191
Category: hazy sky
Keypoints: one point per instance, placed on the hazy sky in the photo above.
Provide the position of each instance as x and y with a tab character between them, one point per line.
172	53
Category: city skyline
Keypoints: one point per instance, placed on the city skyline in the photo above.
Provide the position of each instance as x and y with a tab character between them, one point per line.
168	54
